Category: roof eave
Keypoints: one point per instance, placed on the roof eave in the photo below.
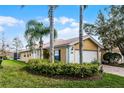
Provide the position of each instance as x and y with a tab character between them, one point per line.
88	36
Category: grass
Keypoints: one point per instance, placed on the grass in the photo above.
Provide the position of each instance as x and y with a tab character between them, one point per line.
12	76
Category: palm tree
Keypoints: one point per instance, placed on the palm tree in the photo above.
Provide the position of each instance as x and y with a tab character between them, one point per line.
82	8
35	31
51	19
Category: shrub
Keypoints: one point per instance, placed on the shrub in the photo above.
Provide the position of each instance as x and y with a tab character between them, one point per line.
0	62
107	56
111	57
4	57
117	57
95	62
72	70
38	61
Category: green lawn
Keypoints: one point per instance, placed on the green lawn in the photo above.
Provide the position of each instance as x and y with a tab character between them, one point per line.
11	76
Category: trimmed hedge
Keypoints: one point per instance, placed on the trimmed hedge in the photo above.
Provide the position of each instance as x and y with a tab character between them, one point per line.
72	70
38	61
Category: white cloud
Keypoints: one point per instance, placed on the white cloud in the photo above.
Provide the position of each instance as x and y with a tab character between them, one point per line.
74	24
64	20
1	29
9	21
69	32
45	20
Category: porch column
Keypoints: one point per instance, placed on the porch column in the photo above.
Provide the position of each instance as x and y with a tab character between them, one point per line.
67	55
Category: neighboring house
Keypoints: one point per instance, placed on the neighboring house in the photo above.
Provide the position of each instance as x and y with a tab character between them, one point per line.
68	50
7	54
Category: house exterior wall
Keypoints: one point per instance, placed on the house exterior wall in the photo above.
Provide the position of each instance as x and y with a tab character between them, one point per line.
88	45
63	54
67	53
25	56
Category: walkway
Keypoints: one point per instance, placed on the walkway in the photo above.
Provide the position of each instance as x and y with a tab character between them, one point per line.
114	70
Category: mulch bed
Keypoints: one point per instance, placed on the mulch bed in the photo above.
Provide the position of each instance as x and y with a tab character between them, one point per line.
97	77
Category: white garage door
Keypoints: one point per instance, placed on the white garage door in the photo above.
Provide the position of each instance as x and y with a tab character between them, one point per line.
88	56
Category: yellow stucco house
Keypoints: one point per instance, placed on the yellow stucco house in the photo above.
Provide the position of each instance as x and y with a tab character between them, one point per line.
68	50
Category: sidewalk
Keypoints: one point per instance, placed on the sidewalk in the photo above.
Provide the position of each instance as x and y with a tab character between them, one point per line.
114	70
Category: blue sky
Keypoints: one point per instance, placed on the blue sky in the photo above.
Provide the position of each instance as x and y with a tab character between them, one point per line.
14	18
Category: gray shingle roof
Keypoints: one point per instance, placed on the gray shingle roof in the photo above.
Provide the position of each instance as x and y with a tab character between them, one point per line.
62	42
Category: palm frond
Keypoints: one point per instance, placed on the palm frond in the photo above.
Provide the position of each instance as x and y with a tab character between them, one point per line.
85	6
35	30
51	8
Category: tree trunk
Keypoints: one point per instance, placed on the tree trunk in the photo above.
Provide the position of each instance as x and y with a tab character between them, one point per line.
51	34
41	48
81	35
16	55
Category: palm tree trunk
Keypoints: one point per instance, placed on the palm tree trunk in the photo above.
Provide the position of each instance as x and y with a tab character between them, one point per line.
16	54
51	34
81	35
41	48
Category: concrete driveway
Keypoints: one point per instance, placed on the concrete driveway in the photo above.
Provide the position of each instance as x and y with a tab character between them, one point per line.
114	70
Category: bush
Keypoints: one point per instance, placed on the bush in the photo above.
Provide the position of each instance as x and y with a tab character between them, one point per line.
42	60
107	56
117	57
73	70
95	62
38	61
3	57
112	57
0	62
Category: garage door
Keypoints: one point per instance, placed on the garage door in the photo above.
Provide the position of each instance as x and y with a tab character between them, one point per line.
88	56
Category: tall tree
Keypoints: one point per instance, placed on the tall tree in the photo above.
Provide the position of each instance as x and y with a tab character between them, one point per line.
3	46
17	43
82	7
35	31
51	19
109	28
